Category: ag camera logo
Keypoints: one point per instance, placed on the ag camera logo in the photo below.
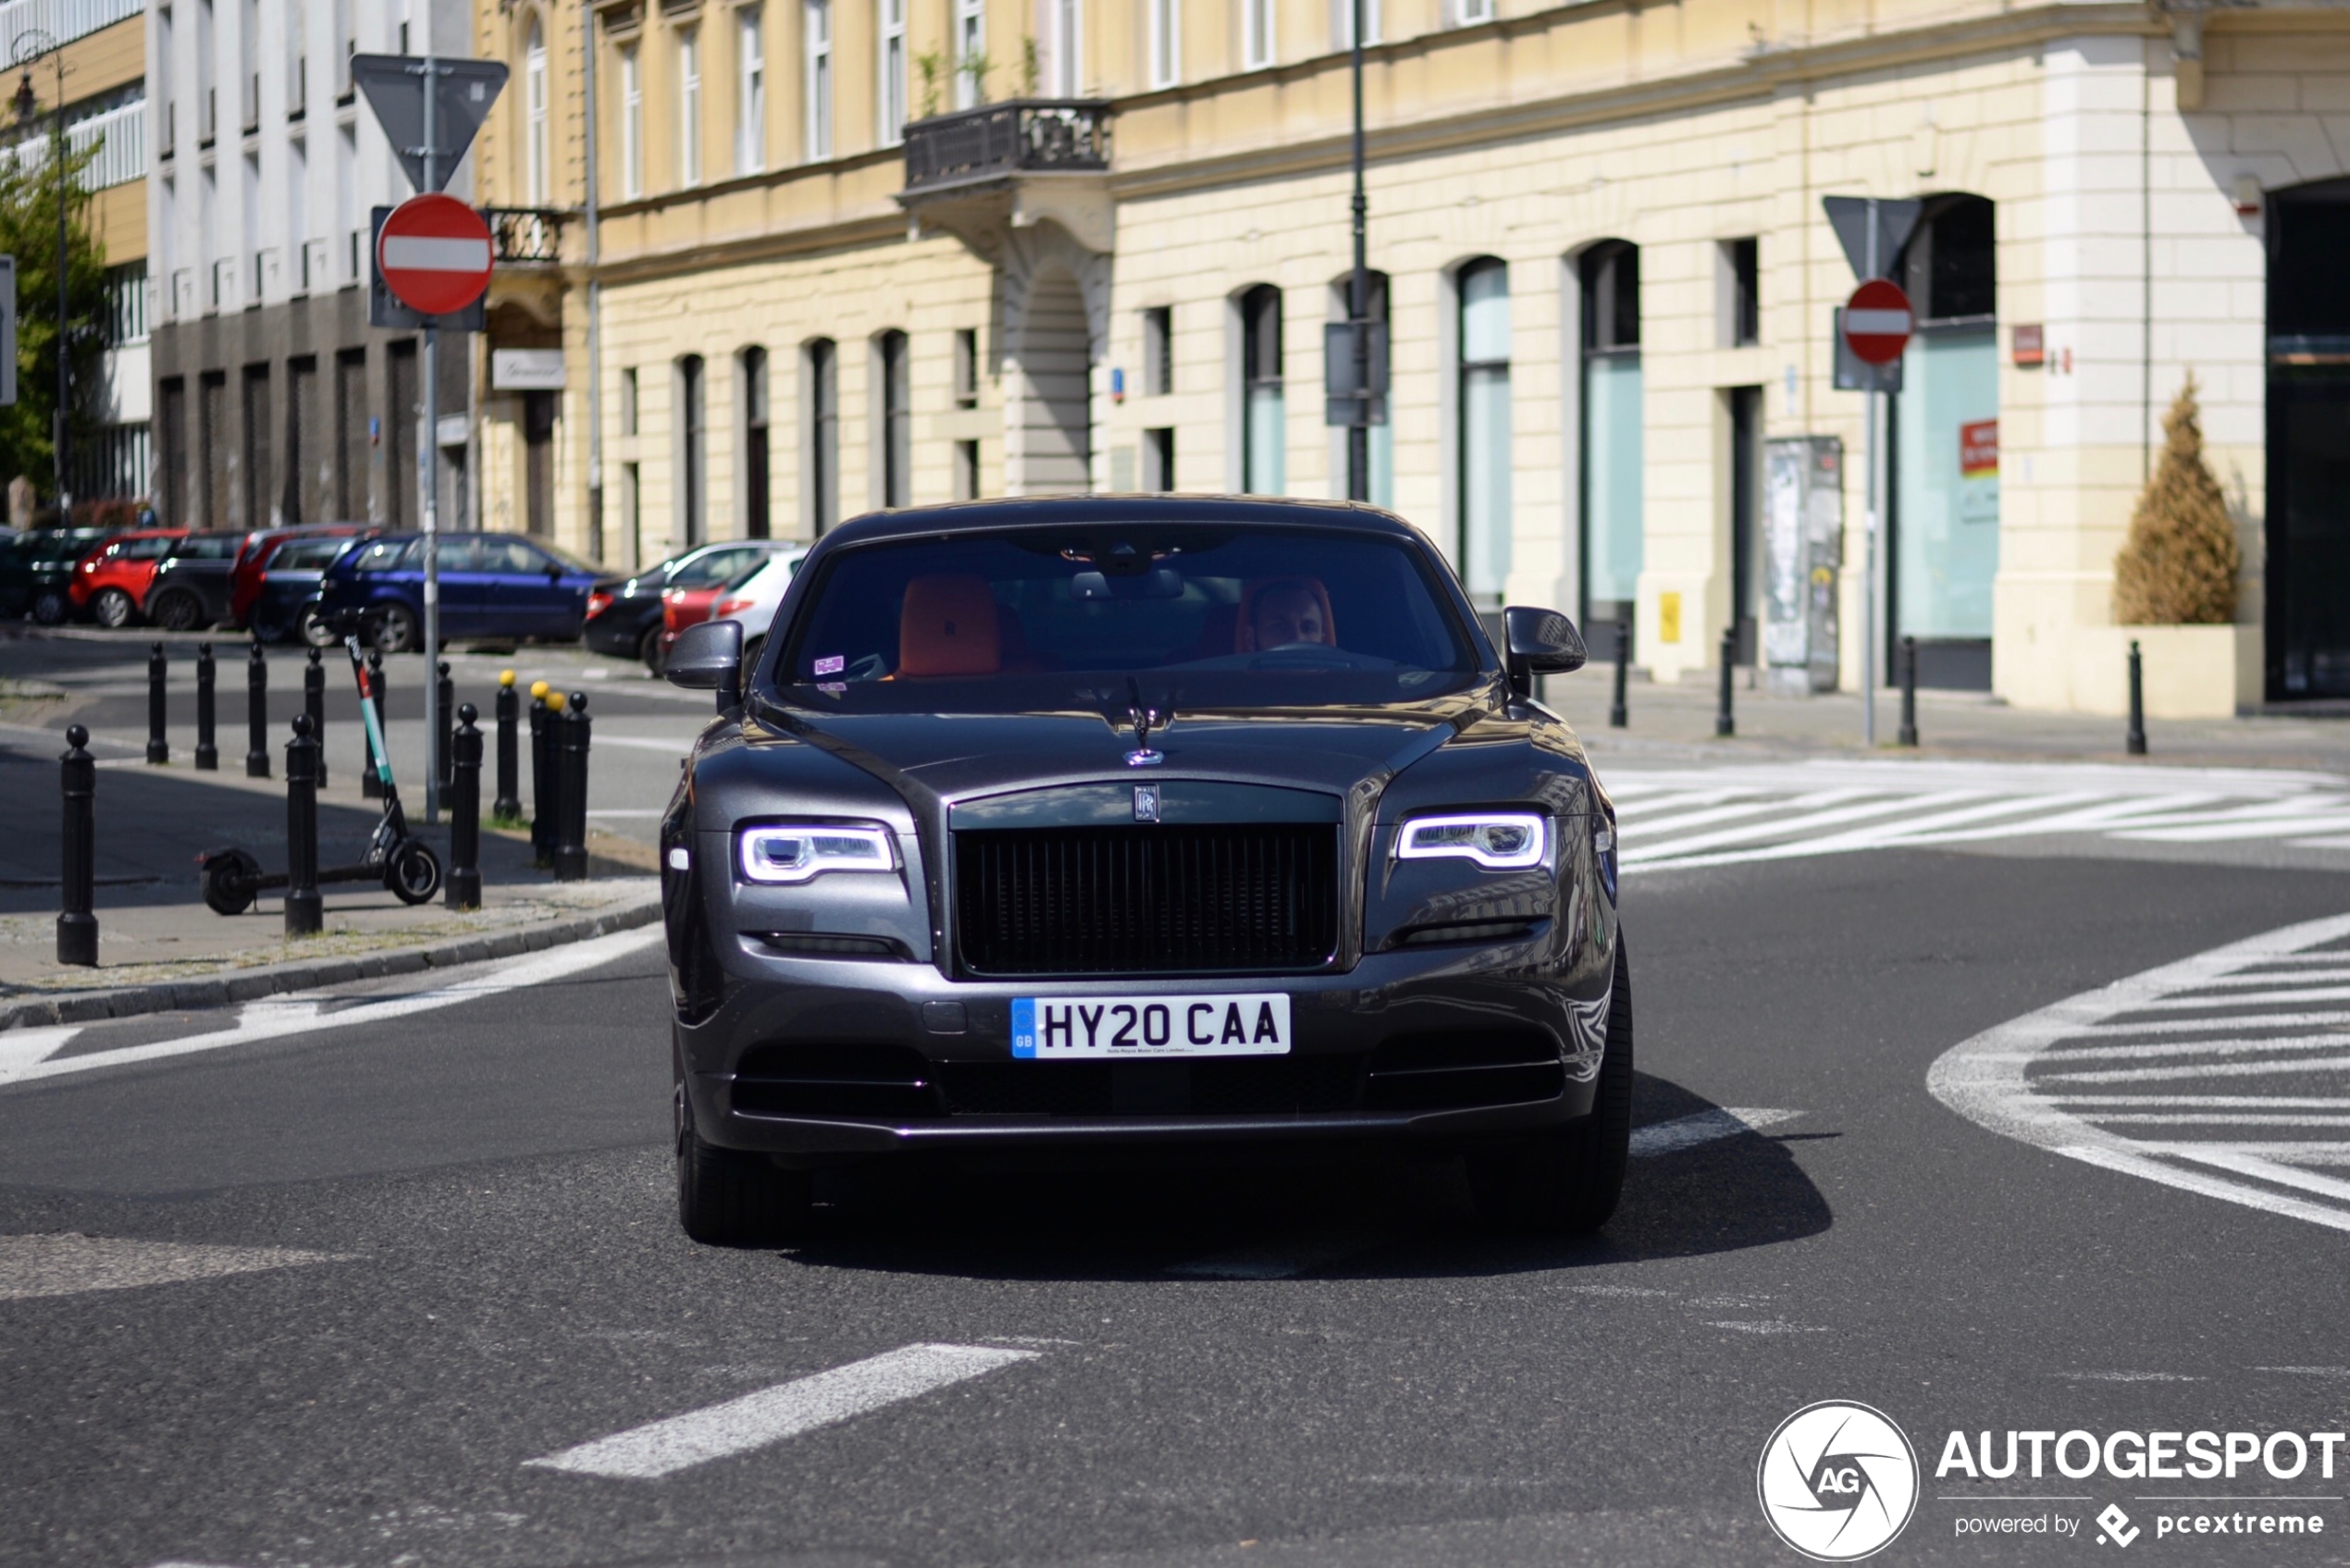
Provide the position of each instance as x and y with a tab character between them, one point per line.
1838	1481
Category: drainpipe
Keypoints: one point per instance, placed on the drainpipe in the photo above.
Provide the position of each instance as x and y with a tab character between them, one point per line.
595	302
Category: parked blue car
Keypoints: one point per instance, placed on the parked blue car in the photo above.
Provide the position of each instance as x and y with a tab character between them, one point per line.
497	586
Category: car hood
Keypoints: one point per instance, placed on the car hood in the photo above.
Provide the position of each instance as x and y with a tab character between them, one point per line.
932	758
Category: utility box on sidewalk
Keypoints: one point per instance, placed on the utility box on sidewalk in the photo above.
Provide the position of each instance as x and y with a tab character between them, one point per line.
1803	552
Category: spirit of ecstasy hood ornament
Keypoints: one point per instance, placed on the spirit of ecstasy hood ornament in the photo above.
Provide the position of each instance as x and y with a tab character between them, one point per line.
1144	720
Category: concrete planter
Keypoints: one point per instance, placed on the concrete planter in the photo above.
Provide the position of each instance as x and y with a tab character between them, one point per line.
2191	672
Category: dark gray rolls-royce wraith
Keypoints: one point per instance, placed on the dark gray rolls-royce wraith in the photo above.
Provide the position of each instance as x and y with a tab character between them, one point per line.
1058	823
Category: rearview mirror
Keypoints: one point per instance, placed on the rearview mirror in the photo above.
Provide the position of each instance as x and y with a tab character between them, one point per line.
708	657
1539	642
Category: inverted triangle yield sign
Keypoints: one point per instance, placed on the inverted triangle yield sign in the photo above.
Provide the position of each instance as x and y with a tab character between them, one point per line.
395	88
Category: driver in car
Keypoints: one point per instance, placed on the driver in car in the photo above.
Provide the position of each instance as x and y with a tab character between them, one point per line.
1288	611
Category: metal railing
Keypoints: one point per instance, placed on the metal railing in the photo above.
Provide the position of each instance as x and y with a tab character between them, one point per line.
118	136
64	20
1018	136
525	234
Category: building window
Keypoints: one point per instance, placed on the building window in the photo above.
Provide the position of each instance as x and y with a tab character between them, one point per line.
632	125
1264	419
1159	459
817	15
757	510
628	402
632	509
1068	49
971	53
1612	445
966	367
1484	413
1158	351
1165	42
1469	13
1256	34
966	470
689	107
889	96
750	92
693	454
533	98
1739	294
822	469
893	420
1343	23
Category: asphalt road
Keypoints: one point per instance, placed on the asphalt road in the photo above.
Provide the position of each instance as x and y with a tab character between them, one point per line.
392	1260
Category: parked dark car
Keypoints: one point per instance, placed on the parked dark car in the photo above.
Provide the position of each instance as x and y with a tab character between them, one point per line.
493	586
259	552
190	587
1073	823
282	605
36	570
624	613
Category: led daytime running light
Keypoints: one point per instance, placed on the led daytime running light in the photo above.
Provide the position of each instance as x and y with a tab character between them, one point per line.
1498	841
793	852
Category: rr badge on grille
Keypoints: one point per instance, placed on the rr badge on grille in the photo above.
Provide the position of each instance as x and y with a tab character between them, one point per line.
1146	803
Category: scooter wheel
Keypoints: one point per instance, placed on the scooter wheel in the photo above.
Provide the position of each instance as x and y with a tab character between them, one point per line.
414	872
229	878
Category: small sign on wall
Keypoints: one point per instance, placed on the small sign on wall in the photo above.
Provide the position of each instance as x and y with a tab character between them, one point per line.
526	370
1668	617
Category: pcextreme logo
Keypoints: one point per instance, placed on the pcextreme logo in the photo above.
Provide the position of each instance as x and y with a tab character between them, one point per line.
1838	1481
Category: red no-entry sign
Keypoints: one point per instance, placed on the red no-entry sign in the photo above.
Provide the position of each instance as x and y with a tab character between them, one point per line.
434	254
1876	322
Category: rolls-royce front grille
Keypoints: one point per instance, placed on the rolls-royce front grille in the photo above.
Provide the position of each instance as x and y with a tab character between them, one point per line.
1147	899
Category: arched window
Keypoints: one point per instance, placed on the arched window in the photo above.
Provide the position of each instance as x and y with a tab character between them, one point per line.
820	435
757	512
693	454
536	176
1484	411
1611	447
893	420
1264	417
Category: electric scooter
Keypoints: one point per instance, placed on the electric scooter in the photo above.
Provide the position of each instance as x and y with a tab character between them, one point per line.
404	864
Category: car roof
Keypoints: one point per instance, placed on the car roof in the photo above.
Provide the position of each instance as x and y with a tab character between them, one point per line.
1032	512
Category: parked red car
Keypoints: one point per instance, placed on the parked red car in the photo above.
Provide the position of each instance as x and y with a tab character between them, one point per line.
110	583
261	547
690	605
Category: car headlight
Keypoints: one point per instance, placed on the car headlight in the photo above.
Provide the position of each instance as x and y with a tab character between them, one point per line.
1498	841
797	851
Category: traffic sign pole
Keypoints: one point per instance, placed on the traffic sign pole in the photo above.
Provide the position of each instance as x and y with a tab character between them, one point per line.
1869	587
431	460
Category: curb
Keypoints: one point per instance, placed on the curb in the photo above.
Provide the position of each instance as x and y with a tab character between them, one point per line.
246	985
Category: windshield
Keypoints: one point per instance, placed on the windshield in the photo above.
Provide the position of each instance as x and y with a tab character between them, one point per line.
1170	615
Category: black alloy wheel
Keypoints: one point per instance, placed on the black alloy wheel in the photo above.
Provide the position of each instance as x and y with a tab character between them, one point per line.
1568	1180
50	607
177	611
648	649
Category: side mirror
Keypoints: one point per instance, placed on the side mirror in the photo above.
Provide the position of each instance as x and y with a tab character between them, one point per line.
708	657
1538	642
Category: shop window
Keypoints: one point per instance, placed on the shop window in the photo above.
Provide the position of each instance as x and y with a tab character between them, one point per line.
1264	416
1612	447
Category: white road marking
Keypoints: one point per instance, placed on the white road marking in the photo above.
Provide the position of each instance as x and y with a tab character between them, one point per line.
756	1420
1276	1260
1992	1079
1786	826
276	1019
71	1265
646	743
1702	1126
20	1048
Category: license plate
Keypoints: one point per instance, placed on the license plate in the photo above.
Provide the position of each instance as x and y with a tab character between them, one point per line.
1069	1028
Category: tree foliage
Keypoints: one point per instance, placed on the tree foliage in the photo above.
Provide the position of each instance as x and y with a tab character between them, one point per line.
2179	566
29	232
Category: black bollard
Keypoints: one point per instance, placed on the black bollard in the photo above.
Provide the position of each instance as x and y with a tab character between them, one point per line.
570	847
207	712
1908	735
2138	738
314	706
304	913
508	806
257	713
77	927
464	812
1725	723
448	734
1617	716
371	787
542	773
158	749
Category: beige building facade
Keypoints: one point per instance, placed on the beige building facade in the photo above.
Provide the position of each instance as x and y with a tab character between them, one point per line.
865	252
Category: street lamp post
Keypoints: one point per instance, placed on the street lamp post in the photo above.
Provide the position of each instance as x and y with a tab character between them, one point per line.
1358	294
28	47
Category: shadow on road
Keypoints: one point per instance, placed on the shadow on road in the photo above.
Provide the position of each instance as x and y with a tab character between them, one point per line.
1385	1213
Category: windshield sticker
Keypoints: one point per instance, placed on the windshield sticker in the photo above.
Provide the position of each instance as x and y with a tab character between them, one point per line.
834	687
831	663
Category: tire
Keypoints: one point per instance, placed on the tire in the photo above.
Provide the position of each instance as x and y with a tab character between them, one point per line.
177	611
1568	1180
414	872
726	1198
229	876
50	607
648	649
393	629
114	609
314	632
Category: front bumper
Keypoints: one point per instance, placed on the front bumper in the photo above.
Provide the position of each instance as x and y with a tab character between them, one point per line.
1427	1045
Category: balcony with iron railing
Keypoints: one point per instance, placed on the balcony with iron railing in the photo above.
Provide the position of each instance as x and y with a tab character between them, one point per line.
524	236
999	141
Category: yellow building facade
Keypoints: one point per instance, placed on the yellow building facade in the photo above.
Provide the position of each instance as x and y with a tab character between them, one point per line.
893	252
